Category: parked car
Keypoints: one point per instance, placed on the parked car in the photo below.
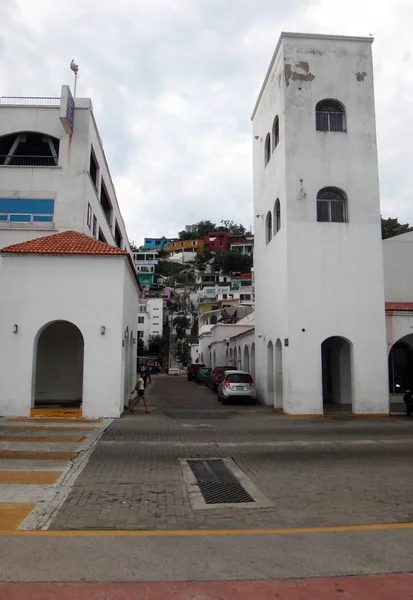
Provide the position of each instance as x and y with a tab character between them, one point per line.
202	374
217	374
192	369
236	385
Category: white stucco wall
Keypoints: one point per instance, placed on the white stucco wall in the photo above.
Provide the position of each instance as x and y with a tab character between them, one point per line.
316	280
89	292
69	184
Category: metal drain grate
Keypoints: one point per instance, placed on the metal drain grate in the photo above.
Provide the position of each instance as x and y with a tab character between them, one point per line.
217	484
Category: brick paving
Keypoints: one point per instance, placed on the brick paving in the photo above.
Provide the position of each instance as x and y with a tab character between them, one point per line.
317	472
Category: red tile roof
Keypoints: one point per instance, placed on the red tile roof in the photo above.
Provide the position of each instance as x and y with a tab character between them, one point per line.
68	242
399	306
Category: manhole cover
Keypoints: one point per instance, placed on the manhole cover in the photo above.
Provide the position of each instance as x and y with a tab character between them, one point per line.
196	414
217	484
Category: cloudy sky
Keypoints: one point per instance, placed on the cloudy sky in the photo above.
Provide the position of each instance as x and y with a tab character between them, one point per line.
173	84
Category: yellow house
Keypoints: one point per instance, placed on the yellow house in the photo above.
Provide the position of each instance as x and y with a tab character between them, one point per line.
186	245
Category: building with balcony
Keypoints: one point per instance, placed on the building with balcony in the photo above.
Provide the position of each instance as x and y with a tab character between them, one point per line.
51	181
150	318
195	246
68	322
155	243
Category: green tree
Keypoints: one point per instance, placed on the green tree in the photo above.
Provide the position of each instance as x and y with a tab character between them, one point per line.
141	348
181	324
233	261
155	345
391	227
232	227
183	353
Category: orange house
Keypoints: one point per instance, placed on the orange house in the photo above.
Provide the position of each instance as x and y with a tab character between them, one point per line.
186	245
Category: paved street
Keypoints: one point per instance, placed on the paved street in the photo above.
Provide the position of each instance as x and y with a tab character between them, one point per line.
315	473
338	496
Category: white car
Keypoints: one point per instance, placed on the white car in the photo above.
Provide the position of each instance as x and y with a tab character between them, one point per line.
236	385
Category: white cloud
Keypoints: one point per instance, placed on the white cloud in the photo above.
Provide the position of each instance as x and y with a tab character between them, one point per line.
173	84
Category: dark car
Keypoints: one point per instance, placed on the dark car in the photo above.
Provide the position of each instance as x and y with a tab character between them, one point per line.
192	369
202	375
217	375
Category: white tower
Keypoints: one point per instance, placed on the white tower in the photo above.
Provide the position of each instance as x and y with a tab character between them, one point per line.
320	321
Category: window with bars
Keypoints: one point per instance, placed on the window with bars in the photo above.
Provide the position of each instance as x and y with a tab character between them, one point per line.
331	206
275	133
267	149
329	116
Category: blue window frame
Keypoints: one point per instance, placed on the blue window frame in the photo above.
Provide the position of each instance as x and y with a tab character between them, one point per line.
26	210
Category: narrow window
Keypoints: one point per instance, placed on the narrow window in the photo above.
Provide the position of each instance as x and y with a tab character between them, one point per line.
101	237
277	216
141	319
95	223
329	116
268	227
275	133
106	203
118	235
94	169
331	206
267	149
89	216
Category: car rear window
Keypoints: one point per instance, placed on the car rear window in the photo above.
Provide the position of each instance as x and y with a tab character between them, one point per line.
239	378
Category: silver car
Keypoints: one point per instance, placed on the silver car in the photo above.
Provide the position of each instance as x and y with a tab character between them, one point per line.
236	385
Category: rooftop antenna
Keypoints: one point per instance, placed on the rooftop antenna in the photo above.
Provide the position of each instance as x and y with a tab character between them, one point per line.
75	68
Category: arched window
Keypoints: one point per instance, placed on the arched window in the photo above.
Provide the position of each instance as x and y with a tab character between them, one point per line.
268	227
28	148
275	133
330	116
267	149
331	206
277	216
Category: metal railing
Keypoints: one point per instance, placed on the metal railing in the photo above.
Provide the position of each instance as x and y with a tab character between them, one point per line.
29	101
28	161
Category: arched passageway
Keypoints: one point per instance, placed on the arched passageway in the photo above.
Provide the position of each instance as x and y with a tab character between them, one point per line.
336	369
270	374
59	357
246	361
253	360
401	366
279	403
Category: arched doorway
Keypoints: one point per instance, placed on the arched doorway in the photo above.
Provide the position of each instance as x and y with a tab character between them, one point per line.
239	363
214	361
270	374
246	362
278	375
401	366
253	360
59	356
336	369
235	358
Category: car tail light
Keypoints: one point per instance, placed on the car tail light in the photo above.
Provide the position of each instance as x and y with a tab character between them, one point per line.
227	384
251	384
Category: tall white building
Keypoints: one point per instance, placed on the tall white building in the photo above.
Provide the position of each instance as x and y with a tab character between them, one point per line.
319	322
150	318
68	319
50	180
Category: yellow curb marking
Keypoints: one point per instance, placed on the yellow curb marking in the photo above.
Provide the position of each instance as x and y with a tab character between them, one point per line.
33	455
49	420
30	477
45	412
208	532
40	427
12	514
64	439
